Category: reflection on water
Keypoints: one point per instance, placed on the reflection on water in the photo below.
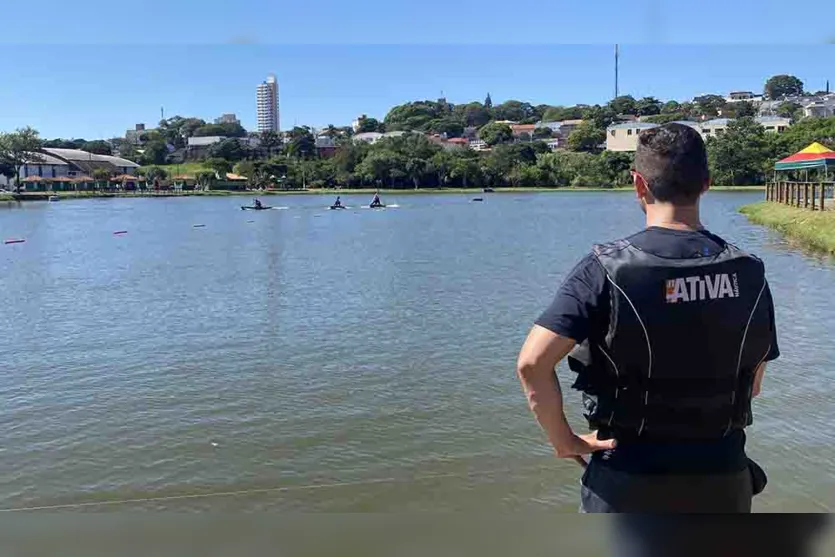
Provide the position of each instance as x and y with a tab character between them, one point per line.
370	351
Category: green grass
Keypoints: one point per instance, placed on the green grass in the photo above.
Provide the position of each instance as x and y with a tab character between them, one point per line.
189	168
6	197
813	229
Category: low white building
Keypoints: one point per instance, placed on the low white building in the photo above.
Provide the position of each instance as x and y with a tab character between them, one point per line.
52	163
374	137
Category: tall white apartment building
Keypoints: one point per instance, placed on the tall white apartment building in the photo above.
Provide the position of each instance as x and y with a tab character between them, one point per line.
268	105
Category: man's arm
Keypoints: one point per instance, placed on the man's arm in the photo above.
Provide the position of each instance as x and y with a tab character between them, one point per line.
758	380
536	365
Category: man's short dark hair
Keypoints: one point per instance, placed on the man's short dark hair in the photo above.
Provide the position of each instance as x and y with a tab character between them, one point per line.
673	160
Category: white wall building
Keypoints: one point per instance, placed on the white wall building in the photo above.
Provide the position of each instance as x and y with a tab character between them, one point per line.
268	107
374	137
624	136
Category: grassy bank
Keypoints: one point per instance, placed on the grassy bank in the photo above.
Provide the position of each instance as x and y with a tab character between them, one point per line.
41	196
813	229
187	168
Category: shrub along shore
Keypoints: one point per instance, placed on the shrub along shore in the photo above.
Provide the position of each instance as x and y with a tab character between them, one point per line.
811	229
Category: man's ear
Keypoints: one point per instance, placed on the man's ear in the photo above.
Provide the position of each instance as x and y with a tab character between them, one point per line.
641	188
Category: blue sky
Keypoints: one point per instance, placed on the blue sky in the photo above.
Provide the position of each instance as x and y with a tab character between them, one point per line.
335	60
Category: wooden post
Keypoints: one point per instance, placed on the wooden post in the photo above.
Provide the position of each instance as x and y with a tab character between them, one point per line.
823	196
814	199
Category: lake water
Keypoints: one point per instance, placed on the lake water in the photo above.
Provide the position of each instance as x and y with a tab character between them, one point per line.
313	360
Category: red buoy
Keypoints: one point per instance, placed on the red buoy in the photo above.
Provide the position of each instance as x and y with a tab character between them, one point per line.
19	241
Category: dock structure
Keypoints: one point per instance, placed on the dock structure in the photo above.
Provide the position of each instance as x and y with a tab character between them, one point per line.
804	179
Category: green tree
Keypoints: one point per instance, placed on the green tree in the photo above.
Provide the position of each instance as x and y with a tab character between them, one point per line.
245	168
543	133
369	125
7	170
472	114
781	86
587	138
624	104
416	170
301	144
441	165
229	149
790	110
740	109
449	126
648	106
560	113
708	105
220	166
665	118
98	147
155	152
740	155
383	167
205	178
222	130
128	151
600	116
416	116
19	147
495	133
466	170
270	142
670	107
488	102
513	110
101	175
156	174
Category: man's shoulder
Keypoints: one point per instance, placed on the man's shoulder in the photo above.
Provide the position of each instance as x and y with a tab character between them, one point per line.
610	248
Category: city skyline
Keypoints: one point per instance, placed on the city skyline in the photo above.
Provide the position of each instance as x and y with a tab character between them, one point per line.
322	85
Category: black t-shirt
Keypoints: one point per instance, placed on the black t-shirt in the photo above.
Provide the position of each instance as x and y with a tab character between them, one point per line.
581	309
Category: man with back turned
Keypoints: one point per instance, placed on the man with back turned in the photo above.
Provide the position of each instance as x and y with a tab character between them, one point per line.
669	332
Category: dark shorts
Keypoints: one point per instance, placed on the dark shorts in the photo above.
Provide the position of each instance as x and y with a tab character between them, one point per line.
605	490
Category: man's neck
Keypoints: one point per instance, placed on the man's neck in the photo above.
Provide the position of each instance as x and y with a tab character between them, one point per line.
665	215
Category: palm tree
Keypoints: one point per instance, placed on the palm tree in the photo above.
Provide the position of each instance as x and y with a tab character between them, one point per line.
101	175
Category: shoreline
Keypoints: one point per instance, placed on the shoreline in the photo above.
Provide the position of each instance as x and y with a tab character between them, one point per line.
814	230
44	196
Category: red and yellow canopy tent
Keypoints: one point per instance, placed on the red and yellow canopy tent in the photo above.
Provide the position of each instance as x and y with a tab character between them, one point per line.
813	156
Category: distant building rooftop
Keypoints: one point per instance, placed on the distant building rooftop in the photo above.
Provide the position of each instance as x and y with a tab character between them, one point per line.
77	155
632	125
203	141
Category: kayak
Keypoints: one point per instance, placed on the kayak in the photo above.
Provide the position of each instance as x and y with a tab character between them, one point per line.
254	208
378	206
338	207
478	199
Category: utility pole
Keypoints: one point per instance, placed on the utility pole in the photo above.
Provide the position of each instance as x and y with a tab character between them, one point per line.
616	71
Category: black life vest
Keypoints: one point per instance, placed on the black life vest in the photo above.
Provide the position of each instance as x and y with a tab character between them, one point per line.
685	338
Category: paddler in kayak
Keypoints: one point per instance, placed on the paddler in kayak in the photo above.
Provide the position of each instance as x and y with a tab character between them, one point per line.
376	201
258	204
337	203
